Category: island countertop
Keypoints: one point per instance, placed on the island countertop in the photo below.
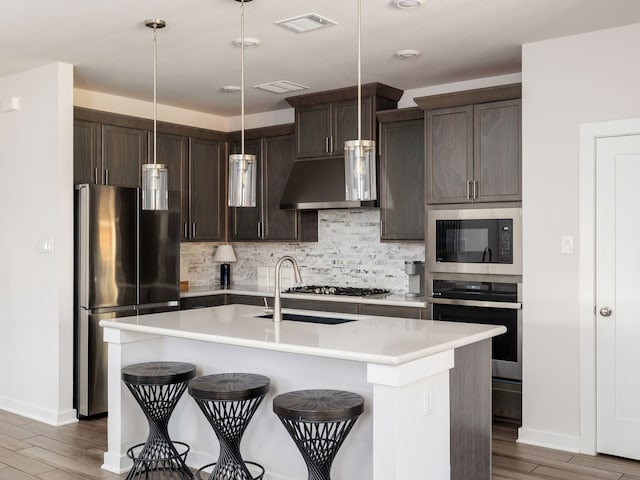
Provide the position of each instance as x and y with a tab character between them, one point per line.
369	339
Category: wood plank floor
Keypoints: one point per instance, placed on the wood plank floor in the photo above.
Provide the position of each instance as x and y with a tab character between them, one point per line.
31	450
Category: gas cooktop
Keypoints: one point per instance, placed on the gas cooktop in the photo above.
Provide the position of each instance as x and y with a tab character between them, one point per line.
330	290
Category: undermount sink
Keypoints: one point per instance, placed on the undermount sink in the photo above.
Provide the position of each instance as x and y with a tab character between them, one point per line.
296	317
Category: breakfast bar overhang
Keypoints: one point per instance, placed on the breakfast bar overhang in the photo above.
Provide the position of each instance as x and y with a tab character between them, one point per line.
424	383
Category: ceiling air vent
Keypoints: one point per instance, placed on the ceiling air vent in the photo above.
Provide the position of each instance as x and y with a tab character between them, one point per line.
305	23
281	86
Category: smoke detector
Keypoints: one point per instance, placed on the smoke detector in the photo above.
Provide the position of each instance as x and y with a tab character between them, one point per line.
408	54
407	4
249	42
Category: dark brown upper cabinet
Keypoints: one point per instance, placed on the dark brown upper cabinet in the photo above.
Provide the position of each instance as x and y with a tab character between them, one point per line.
108	154
111	148
87	156
474	150
204	213
196	170
323	129
401	148
325	120
267	221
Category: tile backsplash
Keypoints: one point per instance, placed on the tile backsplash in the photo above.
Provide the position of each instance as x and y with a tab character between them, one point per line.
348	253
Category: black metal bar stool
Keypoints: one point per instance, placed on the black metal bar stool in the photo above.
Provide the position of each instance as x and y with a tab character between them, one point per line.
229	400
318	421
157	387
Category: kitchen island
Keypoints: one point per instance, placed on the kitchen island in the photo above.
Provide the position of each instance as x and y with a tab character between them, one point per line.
424	382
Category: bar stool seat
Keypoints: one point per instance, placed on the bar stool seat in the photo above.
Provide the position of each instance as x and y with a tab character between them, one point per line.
319	422
157	387
228	401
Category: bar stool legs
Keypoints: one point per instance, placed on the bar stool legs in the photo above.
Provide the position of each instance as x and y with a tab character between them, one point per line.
319	422
157	387
228	401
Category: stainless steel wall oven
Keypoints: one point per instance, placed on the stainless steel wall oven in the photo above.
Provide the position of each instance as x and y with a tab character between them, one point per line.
487	302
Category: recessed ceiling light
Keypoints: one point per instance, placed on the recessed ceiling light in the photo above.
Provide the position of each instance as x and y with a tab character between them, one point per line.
305	23
230	89
281	86
406	4
408	54
248	42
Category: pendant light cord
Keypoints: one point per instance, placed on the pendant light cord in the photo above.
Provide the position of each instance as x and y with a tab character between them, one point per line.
242	78
359	74
155	96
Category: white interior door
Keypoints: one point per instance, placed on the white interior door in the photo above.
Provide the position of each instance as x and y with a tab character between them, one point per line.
618	295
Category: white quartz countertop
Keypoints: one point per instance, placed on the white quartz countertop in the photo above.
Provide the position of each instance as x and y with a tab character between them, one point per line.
394	299
370	339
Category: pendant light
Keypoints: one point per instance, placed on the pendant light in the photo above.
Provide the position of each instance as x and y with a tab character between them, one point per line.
359	155
155	194
242	166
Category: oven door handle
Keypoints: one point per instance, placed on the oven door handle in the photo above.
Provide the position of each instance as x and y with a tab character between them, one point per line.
476	303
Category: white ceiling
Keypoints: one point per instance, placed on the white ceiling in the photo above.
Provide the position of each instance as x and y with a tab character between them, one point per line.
112	49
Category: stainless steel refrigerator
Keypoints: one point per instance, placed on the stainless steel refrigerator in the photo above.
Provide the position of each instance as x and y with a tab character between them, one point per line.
127	262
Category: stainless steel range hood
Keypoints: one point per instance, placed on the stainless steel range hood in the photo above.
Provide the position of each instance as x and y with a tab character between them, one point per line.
318	184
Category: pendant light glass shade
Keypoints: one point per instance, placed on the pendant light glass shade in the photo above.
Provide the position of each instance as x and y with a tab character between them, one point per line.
360	155
243	167
242	180
360	169
155	189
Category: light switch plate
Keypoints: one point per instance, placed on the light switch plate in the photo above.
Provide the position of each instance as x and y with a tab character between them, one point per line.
566	245
10	104
45	245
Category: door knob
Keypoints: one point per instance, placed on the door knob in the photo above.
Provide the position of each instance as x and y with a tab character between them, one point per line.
605	311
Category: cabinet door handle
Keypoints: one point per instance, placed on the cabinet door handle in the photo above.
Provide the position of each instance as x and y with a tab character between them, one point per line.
106	176
326	144
475	189
259	224
95	173
186	230
468	189
193	230
331	144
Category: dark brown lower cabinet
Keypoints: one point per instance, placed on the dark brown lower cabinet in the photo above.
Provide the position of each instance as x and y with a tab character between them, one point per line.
303	304
470	412
319	305
203	301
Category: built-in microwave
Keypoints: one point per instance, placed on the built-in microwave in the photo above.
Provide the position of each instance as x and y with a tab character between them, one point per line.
483	241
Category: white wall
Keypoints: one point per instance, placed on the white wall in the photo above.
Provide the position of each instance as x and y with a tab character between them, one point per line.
36	289
566	82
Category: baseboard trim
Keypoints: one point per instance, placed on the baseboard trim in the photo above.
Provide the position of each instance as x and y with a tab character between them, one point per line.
40	414
541	438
